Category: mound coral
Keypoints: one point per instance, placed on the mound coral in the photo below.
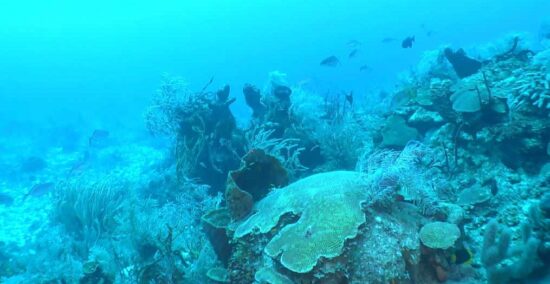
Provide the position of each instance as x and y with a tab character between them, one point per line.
474	195
329	206
472	94
439	235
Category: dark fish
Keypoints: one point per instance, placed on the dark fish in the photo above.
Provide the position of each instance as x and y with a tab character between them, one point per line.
461	256
349	98
98	137
353	53
428	31
6	199
388	40
40	189
364	68
33	165
408	42
331	61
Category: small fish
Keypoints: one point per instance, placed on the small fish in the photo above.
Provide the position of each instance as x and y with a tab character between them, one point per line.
388	40
408	42
40	189
353	53
98	137
364	68
331	61
80	165
428	31
461	256
354	43
5	199
349	98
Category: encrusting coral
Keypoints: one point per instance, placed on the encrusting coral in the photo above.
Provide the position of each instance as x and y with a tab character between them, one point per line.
329	209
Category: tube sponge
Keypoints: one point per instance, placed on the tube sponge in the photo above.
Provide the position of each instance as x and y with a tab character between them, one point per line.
504	263
494	251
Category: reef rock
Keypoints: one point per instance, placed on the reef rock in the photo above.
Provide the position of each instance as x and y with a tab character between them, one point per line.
397	133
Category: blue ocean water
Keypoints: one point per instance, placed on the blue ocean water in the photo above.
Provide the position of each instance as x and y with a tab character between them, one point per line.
117	138
102	53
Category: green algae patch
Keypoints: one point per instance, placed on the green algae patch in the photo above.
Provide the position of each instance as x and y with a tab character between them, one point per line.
329	209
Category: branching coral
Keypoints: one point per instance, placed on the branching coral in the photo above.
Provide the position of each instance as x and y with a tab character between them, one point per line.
175	112
342	138
161	116
526	85
168	239
344	127
286	150
202	127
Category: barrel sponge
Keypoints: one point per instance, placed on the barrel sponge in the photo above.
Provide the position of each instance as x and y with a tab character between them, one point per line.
329	209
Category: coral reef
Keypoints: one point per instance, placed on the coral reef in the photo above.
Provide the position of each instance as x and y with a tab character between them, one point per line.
445	179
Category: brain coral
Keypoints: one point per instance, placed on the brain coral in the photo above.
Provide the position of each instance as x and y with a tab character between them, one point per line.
439	235
329	210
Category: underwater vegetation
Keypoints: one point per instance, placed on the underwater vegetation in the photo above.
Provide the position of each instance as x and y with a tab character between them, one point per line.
445	179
